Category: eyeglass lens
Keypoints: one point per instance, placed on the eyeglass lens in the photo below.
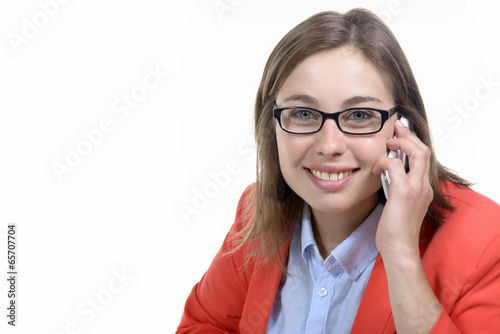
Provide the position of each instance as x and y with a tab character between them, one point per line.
355	120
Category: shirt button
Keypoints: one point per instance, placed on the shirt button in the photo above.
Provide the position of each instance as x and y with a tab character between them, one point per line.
355	272
323	292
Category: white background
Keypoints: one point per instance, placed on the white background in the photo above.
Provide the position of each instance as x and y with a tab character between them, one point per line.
119	209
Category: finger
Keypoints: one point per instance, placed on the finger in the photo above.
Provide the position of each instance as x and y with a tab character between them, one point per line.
402	131
390	164
418	154
396	173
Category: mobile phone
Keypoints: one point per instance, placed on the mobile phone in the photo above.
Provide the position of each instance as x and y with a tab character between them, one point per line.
386	180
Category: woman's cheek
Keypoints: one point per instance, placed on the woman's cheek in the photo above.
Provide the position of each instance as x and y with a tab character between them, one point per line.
371	152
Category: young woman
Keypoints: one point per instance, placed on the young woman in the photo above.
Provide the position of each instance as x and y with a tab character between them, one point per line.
316	247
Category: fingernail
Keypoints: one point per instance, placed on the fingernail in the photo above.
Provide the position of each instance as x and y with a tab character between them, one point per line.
400	124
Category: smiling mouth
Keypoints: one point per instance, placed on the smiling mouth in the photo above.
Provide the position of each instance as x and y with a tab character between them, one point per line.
331	176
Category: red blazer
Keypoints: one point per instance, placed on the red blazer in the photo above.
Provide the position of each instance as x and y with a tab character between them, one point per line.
461	261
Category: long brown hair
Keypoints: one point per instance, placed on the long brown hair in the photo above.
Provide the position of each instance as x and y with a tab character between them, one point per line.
272	207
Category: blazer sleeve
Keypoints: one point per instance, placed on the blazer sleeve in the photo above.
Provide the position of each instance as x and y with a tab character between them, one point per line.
477	307
215	303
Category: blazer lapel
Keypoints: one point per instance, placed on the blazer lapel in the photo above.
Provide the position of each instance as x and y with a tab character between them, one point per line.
374	312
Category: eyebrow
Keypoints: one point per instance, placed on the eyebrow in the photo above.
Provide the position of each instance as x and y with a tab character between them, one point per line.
353	101
350	102
307	99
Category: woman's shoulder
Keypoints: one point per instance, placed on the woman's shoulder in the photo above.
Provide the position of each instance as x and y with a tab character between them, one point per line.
244	210
470	232
472	209
464	196
462	259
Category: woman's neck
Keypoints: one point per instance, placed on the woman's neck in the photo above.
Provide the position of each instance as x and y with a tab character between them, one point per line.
332	228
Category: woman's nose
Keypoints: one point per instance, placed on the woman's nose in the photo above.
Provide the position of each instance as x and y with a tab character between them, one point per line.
330	141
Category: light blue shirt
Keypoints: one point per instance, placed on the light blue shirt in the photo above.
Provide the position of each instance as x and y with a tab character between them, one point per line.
324	296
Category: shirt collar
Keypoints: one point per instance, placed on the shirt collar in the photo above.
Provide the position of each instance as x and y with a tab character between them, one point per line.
306	235
354	254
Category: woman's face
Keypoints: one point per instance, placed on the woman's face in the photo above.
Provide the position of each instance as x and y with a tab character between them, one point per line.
331	81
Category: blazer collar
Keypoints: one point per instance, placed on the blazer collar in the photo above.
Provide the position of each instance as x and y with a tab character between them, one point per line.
374	313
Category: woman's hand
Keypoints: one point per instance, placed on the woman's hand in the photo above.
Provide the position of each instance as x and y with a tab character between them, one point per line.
414	306
409	194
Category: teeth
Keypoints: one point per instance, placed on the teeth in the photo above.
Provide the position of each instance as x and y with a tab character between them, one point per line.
332	176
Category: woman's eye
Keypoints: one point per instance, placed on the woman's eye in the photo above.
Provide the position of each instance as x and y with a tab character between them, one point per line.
303	114
360	115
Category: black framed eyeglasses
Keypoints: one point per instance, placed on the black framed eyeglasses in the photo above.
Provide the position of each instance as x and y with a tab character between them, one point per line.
354	121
